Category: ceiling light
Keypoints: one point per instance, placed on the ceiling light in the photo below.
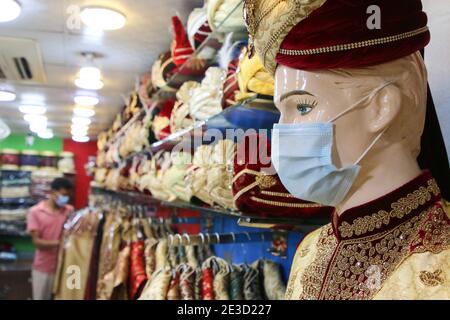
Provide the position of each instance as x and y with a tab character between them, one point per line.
7	95
89	84
102	18
90	73
83	112
86	101
45	134
80	138
9	10
81	121
79	131
37	127
30	109
34	118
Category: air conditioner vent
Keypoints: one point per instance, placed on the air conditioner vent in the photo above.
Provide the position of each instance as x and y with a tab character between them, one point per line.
21	61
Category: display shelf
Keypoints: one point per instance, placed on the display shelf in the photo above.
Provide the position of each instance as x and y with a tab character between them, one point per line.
178	78
18	201
243	116
243	219
13	228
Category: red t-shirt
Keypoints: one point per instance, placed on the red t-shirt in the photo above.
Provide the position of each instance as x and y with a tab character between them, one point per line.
49	226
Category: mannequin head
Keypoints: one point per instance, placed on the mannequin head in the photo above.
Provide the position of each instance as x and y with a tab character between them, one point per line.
399	108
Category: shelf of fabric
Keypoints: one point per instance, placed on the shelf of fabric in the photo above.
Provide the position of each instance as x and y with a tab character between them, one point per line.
292	224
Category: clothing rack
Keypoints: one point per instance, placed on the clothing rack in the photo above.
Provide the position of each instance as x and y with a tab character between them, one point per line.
216	238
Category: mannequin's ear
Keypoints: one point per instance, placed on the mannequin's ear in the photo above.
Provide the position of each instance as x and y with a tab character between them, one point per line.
384	108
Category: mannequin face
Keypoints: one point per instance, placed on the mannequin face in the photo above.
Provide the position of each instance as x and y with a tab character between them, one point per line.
318	96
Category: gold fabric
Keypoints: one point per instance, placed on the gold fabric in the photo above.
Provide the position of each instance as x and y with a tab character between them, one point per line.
225	16
206	100
270	21
175	177
198	174
109	249
76	250
180	119
253	78
409	261
220	176
157	288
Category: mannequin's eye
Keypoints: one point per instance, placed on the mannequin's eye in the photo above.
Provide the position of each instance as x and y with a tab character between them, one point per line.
306	107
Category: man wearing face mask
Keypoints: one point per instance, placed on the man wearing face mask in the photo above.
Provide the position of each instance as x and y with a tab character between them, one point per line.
352	95
45	224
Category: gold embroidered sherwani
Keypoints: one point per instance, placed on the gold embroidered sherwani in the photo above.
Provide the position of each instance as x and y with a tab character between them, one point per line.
395	247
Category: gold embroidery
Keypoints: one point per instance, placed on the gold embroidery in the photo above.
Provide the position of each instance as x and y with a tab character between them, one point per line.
431	279
285	204
314	274
304	252
402	207
265	181
355	45
349	262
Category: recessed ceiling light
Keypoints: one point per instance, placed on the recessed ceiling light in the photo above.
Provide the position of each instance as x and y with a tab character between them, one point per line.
86	101
79	130
89	84
81	121
9	10
30	109
80	138
34	118
7	95
102	18
45	134
83	112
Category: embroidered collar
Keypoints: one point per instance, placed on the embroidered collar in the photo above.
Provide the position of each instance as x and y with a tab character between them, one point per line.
389	211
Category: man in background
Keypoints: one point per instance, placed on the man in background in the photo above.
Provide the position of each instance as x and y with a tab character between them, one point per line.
45	224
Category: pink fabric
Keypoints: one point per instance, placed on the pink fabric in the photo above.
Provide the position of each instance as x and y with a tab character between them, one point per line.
49	227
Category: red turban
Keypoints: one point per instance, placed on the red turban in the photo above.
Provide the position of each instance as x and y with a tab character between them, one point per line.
337	35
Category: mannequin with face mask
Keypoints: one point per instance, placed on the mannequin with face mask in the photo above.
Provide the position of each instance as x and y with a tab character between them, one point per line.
353	102
45	224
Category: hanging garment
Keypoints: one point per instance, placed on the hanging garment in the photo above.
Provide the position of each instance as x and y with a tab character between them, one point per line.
236	290
173	291
187	282
150	257
138	277
274	287
207	283
157	288
198	285
91	284
221	280
74	259
252	284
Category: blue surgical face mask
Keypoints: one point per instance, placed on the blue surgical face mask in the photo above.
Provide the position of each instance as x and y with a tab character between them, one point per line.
301	154
61	201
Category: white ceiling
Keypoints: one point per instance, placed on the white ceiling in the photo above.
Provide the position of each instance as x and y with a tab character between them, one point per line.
127	53
131	51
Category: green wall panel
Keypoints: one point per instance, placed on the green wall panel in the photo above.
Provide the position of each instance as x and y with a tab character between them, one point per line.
18	142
